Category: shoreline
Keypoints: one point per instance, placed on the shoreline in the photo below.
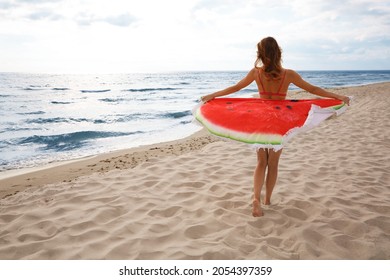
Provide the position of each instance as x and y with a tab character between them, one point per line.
16	180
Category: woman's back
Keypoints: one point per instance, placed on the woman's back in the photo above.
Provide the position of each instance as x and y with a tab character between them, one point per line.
271	88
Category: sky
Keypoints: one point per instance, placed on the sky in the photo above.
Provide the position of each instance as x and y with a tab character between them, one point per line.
119	36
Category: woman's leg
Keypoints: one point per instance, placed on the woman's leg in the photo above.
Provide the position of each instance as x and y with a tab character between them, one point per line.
258	181
272	174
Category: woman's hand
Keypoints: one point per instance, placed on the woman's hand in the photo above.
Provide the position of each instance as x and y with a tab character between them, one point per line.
249	78
207	98
345	99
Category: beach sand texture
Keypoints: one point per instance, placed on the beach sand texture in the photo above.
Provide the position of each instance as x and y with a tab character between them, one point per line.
191	199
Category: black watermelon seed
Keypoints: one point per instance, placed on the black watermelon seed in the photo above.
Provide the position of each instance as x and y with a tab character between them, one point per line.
228	102
294	100
277	107
289	107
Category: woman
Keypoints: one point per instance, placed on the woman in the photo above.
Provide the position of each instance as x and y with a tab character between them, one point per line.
272	81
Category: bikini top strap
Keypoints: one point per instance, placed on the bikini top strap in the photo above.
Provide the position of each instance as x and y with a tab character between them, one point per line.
260	79
281	83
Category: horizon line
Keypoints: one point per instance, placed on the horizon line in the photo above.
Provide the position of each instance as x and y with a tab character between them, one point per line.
177	71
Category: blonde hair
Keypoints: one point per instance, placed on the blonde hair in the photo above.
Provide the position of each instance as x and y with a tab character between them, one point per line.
270	55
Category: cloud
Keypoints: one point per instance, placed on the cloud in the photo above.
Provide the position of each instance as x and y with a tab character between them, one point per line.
122	20
20	3
199	34
5	5
37	1
44	15
50	10
221	6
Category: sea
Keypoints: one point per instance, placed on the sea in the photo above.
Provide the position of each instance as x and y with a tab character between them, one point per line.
47	118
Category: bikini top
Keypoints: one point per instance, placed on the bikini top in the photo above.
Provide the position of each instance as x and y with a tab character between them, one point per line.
277	93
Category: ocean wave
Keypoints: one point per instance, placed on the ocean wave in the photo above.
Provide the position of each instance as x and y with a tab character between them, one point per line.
57	120
100	121
249	90
112	100
130	117
148	89
94	90
32	88
32	113
145	116
16	129
48	120
69	141
60	88
61	102
3	144
175	115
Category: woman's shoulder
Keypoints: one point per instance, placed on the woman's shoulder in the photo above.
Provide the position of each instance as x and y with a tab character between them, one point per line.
288	71
254	71
291	72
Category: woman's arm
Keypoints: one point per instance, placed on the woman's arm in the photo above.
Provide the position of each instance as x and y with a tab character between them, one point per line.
297	80
249	78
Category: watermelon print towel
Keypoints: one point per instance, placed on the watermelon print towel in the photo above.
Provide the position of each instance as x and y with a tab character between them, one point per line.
264	123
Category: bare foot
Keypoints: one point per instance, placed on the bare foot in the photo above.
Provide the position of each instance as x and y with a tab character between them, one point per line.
267	201
256	211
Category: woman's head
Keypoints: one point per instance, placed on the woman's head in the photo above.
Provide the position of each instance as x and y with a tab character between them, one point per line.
270	55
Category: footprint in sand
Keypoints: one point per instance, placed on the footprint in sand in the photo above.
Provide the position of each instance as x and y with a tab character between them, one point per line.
296	213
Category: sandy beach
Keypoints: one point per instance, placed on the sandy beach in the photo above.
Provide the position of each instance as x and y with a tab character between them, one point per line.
191	198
